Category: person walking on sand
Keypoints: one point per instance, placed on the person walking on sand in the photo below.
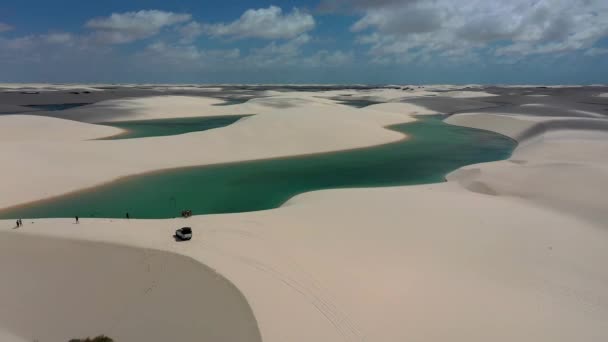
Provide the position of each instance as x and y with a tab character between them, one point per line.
76	219
18	225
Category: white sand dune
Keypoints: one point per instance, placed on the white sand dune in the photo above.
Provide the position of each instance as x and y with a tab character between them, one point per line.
397	95
380	95
546	86
401	108
14	128
573	112
382	264
466	94
554	156
129	294
522	127
162	107
9	337
296	130
178	106
504	251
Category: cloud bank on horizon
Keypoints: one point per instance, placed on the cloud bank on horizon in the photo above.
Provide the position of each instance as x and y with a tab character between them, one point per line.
335	41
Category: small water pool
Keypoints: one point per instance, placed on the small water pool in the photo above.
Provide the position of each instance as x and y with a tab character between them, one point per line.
164	127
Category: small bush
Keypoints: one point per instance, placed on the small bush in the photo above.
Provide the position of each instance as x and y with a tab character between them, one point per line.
100	338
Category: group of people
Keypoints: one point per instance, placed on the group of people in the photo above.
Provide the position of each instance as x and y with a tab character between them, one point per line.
20	222
186	213
126	215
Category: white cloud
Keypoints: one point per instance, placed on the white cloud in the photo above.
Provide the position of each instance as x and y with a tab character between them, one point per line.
49	52
19	43
522	27
596	52
126	27
266	23
185	57
275	54
190	31
390	20
291	47
325	58
338	58
5	27
59	38
43	41
291	54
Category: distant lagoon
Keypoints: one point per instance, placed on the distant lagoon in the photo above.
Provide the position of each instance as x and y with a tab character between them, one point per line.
164	127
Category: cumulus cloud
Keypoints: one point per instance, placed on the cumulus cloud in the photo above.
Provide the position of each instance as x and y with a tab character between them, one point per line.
191	31
266	23
59	38
389	20
596	52
275	54
515	27
5	27
290	53
185	57
126	27
50	54
393	32
325	58
182	57
43	41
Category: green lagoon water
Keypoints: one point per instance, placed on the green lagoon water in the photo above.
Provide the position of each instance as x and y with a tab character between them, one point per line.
433	150
163	127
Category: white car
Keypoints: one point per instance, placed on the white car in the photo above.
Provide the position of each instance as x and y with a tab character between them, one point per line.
184	233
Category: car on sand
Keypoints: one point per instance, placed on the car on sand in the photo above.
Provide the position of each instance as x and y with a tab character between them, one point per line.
183	234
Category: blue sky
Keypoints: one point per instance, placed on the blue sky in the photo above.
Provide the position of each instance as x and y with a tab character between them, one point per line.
320	41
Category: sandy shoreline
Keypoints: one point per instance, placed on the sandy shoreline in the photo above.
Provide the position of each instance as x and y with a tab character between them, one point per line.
170	169
516	253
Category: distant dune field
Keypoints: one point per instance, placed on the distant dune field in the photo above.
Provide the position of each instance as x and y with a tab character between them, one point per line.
512	250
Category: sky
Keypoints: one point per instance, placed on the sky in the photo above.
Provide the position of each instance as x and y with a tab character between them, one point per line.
305	41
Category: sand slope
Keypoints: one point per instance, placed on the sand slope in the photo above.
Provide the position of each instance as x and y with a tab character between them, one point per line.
463	94
157	107
126	293
523	127
15	128
383	264
561	163
401	108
